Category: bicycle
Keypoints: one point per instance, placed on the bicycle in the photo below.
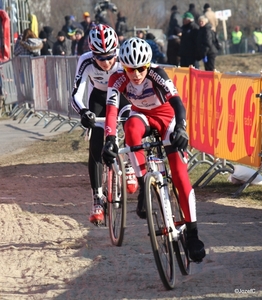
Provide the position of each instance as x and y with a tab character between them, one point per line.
167	229
114	189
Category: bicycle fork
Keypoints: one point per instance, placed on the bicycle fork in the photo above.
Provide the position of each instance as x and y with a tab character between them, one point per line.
166	206
116	187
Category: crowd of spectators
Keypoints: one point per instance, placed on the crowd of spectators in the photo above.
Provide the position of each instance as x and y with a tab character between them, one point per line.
71	39
190	38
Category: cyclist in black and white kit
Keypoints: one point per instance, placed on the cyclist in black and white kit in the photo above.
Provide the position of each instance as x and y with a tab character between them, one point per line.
95	68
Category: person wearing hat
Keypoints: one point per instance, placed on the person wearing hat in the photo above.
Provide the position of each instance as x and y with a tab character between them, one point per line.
70	26
210	14
48	40
157	55
62	46
50	37
87	24
77	43
174	21
86	21
188	44
193	11
44	51
173	47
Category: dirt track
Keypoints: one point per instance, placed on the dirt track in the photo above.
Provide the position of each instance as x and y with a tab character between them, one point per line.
49	250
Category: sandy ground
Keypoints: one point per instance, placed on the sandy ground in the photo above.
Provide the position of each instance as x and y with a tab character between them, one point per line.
49	250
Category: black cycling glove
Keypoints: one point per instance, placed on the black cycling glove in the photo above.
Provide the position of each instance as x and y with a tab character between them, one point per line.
87	118
179	137
110	150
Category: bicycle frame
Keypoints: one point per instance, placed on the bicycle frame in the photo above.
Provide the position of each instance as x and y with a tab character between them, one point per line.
153	168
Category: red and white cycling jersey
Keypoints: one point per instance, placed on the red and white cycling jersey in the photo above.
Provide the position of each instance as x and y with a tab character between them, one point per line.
147	98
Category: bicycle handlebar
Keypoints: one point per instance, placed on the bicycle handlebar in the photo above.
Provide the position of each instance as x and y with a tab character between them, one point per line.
103	119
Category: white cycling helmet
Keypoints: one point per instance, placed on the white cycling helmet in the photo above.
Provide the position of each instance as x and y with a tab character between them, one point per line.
135	53
102	39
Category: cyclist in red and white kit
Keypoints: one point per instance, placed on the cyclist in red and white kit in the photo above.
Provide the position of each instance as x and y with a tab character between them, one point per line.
95	68
155	104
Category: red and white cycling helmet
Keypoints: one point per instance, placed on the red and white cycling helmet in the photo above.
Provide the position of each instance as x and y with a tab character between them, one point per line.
102	39
135	53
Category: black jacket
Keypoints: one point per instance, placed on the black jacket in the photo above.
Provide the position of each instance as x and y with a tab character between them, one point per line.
121	26
80	43
60	47
173	47
188	44
205	45
174	21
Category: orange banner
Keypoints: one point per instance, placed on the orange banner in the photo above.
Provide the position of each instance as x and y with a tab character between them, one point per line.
180	77
223	113
202	110
237	125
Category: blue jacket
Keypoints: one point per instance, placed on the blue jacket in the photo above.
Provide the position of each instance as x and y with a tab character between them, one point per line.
157	54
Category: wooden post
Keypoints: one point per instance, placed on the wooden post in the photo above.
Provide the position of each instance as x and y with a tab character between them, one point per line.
224	28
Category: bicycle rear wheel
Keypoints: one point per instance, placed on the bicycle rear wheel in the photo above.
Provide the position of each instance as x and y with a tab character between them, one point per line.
117	203
161	239
180	247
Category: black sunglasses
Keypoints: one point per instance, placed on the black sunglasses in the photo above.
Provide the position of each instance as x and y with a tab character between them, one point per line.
103	57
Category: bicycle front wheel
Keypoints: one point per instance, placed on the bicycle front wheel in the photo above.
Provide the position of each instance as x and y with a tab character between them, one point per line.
161	239
117	203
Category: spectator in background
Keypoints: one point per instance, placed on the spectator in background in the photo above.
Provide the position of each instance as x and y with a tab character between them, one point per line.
28	44
50	37
205	46
48	40
236	38
75	24
141	34
43	37
68	28
174	21
62	46
86	35
121	26
121	39
211	16
192	10
158	56
188	44
173	47
257	36
77	43
86	22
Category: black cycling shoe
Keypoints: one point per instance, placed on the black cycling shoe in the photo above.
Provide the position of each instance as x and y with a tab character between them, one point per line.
141	213
140	209
196	249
